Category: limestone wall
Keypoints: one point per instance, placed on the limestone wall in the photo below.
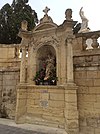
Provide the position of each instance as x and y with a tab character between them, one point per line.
87	77
8	51
9	78
9	55
44	105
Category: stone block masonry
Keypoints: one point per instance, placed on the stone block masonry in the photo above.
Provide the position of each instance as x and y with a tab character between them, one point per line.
87	77
74	102
8	81
44	105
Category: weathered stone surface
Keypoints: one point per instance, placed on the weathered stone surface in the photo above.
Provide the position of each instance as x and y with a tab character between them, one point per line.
73	102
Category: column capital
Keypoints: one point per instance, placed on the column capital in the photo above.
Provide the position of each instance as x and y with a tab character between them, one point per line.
69	40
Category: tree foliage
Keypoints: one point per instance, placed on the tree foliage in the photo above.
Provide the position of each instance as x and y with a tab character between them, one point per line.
11	17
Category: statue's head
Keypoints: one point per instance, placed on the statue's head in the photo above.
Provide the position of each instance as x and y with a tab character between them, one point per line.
24	25
68	14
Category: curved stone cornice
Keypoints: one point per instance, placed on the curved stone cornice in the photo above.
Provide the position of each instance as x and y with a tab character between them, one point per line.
44	26
53	41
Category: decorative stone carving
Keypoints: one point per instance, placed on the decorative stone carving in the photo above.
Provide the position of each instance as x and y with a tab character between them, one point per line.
48	38
53	40
46	10
68	14
49	67
46	18
84	24
95	43
24	25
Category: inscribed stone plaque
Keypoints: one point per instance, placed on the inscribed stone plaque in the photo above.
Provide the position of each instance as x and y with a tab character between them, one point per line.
44	98
44	103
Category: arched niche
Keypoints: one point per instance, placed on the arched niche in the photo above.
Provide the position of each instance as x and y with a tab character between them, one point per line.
46	65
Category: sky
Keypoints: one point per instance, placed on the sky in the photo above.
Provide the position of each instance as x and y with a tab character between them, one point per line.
91	10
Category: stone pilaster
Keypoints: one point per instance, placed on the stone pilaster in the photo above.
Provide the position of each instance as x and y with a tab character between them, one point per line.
21	103
28	66
62	64
69	61
32	65
71	111
58	67
23	66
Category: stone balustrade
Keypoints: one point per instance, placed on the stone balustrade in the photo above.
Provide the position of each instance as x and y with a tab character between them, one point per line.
89	40
10	51
18	51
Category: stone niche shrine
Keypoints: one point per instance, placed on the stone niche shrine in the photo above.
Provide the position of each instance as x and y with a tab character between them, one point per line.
52	77
46	75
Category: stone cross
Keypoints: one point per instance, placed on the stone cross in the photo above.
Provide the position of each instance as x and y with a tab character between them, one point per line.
46	10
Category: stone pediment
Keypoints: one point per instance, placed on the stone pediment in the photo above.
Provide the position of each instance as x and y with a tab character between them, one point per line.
46	22
44	26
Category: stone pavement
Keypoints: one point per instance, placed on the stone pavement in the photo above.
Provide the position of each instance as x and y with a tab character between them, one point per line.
4	129
10	127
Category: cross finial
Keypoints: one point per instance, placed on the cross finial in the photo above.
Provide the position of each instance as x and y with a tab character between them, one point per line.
46	10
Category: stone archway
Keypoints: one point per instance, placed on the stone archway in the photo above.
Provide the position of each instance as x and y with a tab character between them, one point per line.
46	65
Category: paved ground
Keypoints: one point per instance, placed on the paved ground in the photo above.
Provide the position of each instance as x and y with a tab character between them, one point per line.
10	127
4	129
